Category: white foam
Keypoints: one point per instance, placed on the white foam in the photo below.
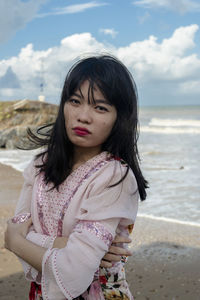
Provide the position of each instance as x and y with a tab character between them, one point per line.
18	159
174	122
170	130
169	220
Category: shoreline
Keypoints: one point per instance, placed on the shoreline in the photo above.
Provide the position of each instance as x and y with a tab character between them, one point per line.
164	265
16	172
169	220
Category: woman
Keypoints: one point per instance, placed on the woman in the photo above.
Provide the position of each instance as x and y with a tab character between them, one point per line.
83	189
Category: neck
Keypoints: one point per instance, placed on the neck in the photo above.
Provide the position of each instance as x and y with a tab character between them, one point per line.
81	155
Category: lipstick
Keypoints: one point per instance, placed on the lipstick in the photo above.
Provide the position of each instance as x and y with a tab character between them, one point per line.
81	131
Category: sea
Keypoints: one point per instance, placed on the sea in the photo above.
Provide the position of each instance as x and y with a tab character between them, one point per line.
169	146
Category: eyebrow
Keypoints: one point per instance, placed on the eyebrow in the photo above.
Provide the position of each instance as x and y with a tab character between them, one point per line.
98	101
77	95
102	101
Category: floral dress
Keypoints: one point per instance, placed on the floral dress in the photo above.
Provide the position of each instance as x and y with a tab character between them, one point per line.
108	284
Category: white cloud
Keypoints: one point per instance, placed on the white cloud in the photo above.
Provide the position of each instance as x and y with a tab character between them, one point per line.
162	70
164	60
14	14
50	66
109	31
180	6
72	9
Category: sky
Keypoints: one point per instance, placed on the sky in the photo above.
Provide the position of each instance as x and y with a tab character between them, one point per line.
158	40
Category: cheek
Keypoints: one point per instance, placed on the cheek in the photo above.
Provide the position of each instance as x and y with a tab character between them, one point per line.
67	115
110	123
107	127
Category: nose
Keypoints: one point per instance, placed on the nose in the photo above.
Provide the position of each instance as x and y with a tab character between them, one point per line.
85	114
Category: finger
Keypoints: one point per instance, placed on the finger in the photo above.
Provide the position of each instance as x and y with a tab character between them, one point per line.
105	264
119	251
112	257
121	239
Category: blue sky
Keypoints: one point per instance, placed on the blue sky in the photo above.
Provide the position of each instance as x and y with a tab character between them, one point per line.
158	40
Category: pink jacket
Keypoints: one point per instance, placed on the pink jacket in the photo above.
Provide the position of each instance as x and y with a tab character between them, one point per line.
89	213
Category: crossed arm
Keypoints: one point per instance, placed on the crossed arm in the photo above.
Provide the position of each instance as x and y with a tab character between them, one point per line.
16	242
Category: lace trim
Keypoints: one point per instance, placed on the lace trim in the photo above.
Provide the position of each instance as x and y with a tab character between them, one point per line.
52	225
97	229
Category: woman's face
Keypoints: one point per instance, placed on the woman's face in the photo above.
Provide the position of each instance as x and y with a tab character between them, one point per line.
88	125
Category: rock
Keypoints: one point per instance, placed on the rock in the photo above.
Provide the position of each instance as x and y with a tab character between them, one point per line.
2	140
17	116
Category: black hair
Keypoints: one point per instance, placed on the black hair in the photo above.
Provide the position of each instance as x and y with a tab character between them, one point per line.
117	85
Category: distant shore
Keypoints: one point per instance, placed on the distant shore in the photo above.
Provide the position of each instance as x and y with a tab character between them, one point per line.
164	265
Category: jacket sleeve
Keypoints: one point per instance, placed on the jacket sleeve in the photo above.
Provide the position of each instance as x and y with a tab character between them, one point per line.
68	272
24	206
24	202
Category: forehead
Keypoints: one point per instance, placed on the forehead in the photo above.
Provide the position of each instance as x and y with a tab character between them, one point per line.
91	92
88	87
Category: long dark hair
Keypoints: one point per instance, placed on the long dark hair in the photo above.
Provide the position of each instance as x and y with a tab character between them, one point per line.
117	85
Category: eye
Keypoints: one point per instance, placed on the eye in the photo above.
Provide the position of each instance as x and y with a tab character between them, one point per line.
101	108
74	101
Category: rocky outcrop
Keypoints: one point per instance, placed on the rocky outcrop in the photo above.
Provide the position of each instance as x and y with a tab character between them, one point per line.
17	116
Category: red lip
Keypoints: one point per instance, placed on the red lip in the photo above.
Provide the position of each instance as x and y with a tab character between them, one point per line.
81	131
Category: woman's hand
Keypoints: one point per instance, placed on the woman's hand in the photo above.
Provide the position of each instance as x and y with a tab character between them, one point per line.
14	231
115	253
15	241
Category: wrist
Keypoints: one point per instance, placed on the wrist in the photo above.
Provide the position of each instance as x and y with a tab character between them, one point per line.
16	245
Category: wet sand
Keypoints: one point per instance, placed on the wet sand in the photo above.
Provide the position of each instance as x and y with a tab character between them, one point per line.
165	262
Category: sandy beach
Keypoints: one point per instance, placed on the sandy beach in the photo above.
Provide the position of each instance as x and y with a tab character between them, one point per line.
165	262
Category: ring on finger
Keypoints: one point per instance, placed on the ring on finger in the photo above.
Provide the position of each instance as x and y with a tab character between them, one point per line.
124	259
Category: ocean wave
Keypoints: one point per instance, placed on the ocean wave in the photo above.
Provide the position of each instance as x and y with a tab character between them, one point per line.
17	159
153	153
174	122
170	130
170	220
